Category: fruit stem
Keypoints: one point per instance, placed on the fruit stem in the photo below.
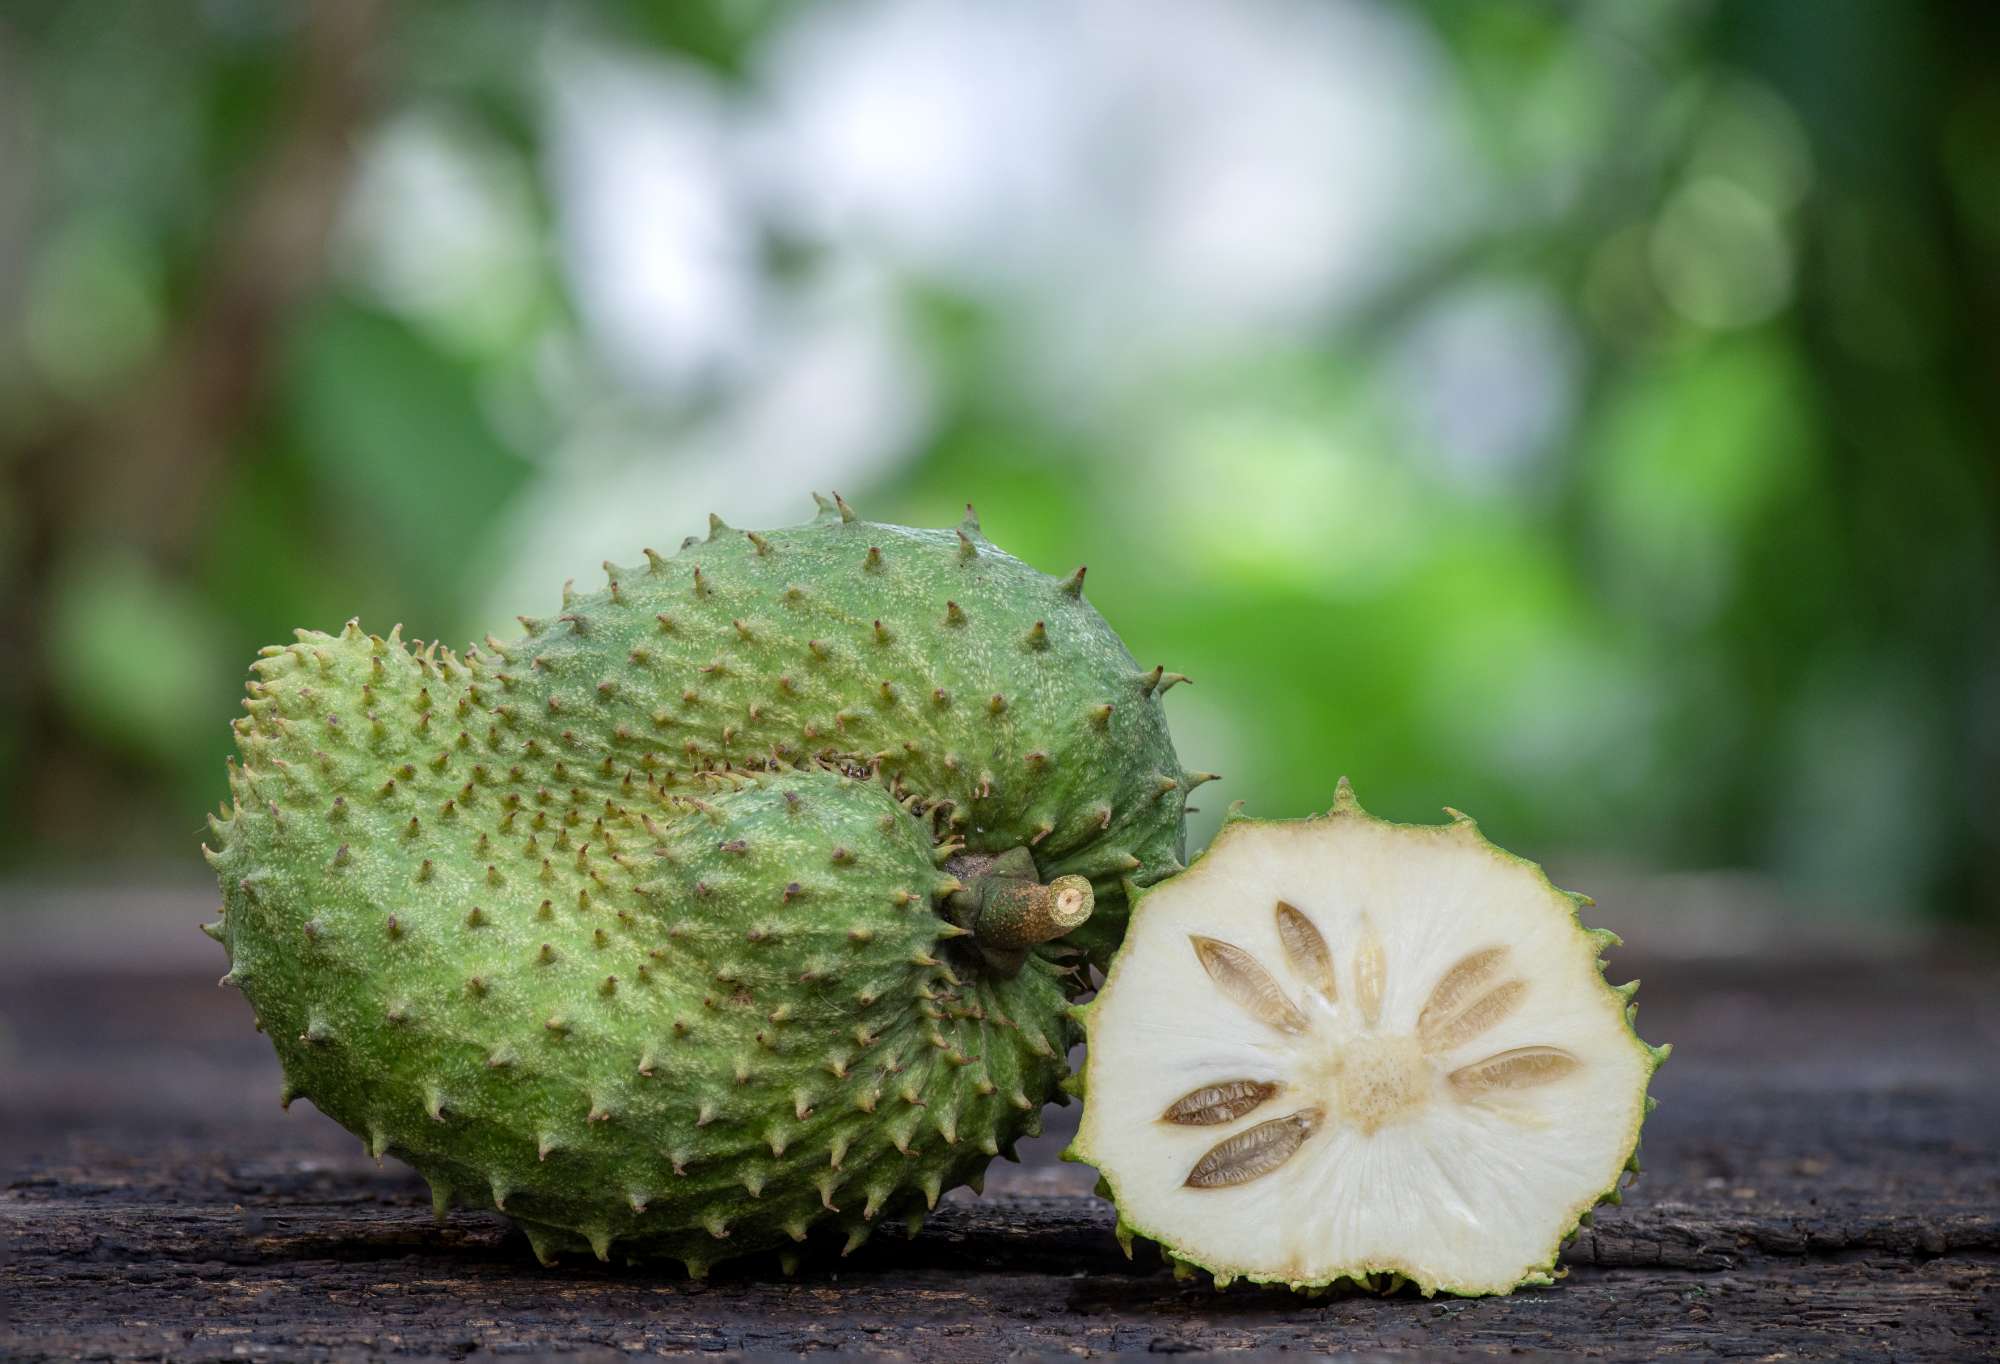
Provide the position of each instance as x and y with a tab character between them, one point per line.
1010	911
1024	913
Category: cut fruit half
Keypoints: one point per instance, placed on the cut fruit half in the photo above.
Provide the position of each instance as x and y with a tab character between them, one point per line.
1341	1048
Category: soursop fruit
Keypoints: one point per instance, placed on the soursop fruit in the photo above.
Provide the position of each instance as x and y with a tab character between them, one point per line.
1342	1049
745	894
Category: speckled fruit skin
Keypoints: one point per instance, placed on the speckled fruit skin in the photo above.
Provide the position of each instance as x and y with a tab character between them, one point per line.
636	928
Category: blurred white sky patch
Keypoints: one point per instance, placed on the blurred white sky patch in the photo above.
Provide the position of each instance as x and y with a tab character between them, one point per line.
1143	180
1132	189
834	408
441	227
656	239
946	135
1267	163
1486	378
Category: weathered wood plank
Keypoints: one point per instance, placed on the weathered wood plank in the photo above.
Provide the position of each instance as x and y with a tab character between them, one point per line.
303	1277
1823	1181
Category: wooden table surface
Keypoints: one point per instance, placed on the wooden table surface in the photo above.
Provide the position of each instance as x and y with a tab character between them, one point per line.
1823	1181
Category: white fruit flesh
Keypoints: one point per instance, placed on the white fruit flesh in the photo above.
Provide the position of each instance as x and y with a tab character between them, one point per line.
1341	1047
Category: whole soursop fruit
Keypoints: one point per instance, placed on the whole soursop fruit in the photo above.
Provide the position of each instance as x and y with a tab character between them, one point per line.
1341	1049
746	894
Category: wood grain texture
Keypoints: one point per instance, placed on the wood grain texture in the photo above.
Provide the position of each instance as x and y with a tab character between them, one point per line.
1823	1179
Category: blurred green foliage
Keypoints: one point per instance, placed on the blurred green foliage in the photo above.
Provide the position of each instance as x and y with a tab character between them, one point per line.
1732	603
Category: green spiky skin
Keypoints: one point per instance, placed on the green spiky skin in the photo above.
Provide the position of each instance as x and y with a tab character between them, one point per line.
694	1041
992	698
634	927
1384	1280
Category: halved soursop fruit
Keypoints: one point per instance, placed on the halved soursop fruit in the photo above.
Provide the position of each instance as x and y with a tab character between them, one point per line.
1341	1048
746	894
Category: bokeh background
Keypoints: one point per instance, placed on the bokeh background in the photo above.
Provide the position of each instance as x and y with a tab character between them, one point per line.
1583	414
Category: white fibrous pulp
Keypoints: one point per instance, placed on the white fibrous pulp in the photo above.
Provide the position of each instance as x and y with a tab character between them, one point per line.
1342	1048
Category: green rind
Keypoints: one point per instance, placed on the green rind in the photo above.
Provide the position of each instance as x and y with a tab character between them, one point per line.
993	698
701	1045
1386	1277
477	902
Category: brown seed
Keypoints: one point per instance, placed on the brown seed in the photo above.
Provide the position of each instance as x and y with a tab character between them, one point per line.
1248	984
1479	1015
1307	950
1255	1153
1456	990
1521	1068
1218	1103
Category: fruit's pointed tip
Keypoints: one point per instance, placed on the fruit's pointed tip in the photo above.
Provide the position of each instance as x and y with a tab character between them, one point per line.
1344	799
847	513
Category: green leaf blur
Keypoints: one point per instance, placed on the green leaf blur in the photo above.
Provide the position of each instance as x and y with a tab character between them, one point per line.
1581	415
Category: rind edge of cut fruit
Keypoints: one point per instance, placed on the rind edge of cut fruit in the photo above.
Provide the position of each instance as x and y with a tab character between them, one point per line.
1387	1277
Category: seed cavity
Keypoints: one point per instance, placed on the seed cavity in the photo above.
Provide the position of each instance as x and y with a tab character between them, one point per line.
1307	950
1219	1103
1521	1068
1255	1152
1248	984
